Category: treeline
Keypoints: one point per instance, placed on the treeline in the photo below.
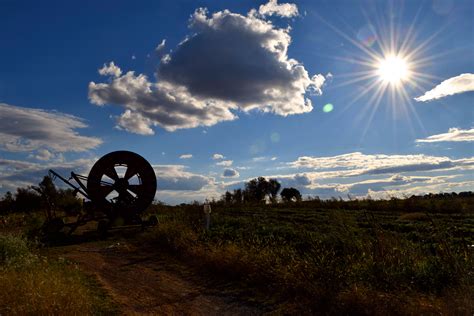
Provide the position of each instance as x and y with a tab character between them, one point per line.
261	190
44	197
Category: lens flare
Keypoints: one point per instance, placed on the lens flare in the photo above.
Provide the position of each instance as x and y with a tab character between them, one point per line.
367	35
328	108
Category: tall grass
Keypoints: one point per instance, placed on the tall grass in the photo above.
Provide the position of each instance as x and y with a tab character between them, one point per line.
33	285
348	262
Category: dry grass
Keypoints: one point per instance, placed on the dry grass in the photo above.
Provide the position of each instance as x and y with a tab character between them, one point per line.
32	285
340	270
416	216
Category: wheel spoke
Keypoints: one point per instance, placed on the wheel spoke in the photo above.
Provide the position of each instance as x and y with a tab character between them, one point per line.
136	188
105	183
111	173
131	171
125	195
105	190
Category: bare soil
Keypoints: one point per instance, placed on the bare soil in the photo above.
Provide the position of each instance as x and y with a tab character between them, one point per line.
147	282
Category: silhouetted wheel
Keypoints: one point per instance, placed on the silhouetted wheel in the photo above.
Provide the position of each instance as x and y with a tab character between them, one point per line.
123	181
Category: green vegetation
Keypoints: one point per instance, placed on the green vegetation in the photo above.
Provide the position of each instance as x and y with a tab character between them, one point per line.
357	256
311	260
33	285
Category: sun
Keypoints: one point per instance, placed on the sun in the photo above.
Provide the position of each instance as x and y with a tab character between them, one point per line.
393	69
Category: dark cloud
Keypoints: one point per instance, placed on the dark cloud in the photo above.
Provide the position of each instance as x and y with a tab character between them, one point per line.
230	62
230	173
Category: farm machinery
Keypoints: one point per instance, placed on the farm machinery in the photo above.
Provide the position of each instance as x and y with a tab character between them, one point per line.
119	187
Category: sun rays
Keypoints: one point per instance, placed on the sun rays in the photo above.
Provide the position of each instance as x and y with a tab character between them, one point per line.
390	68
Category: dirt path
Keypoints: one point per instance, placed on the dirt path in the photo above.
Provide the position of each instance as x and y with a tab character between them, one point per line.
153	284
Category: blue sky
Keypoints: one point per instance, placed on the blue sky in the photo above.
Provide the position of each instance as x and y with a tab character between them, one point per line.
245	81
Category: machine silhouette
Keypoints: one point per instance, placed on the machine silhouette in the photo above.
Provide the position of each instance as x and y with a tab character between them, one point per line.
120	185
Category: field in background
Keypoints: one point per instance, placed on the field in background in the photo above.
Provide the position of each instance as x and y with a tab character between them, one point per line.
307	260
324	257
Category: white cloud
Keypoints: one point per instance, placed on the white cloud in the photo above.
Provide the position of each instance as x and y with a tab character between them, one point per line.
160	46
231	62
225	163
176	178
186	156
217	156
110	70
44	154
454	85
230	173
17	173
263	158
163	104
286	10
134	122
354	164
453	135
26	129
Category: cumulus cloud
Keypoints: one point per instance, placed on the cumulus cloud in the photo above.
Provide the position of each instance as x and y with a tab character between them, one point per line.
26	129
454	85
356	164
134	122
110	70
230	63
225	163
453	135
177	178
230	173
286	10
217	156
186	156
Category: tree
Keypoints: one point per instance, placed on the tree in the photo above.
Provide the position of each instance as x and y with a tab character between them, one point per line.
227	197
7	203
273	188
49	195
256	190
290	195
237	196
27	200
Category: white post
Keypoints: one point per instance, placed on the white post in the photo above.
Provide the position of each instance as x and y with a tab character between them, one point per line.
207	215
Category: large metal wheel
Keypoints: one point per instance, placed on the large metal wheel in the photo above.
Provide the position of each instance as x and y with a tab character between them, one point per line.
122	182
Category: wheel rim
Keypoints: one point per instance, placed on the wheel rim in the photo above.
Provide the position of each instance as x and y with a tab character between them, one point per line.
123	181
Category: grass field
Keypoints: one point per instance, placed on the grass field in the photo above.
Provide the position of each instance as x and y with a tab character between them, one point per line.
308	260
290	259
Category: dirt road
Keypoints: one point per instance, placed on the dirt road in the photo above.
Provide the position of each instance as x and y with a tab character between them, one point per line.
148	283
